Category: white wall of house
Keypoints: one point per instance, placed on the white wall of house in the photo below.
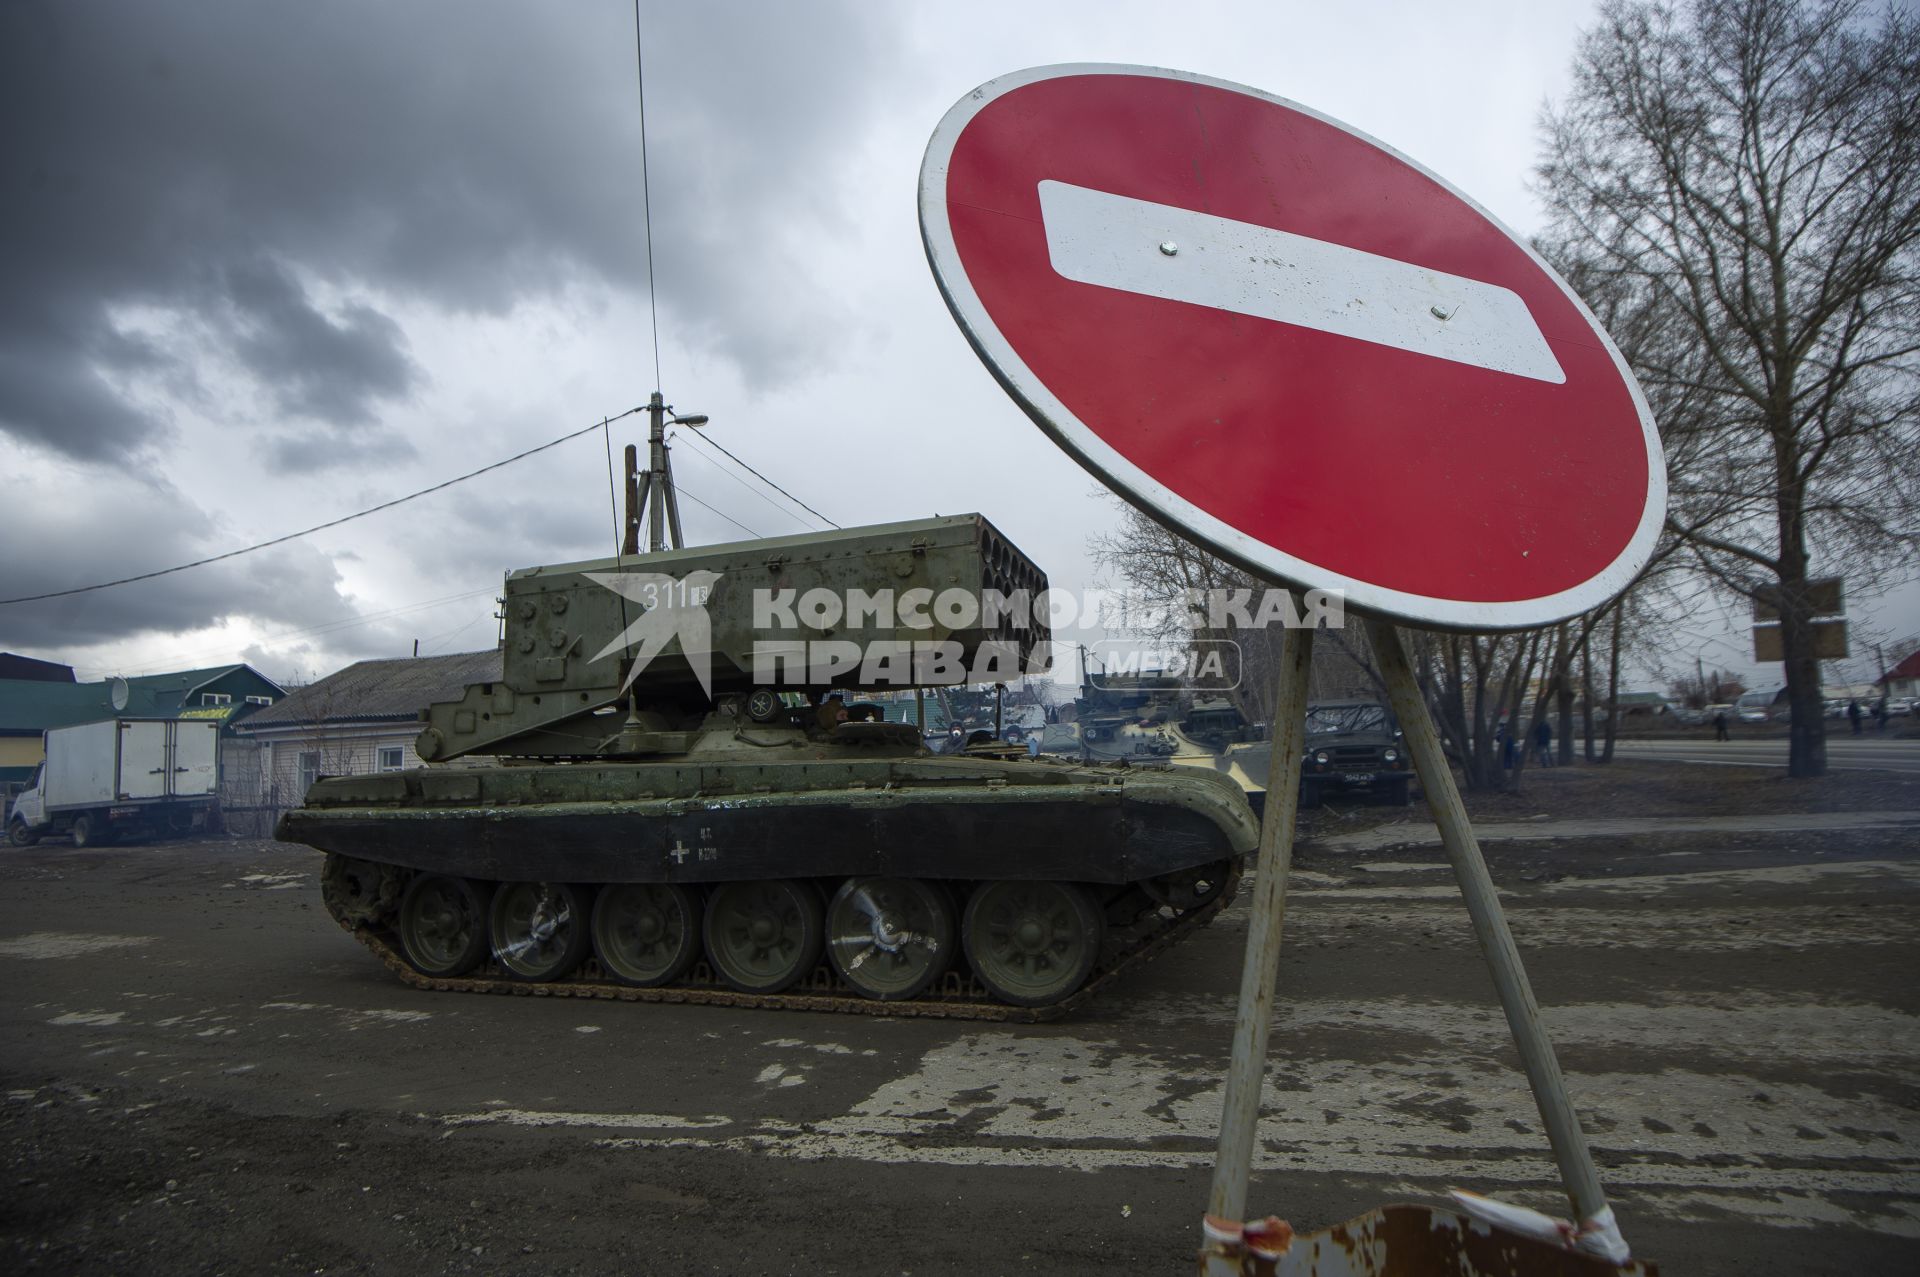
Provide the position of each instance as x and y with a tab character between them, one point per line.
270	770
292	758
286	760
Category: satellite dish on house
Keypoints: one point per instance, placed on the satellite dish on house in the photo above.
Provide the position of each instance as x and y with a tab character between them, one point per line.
117	693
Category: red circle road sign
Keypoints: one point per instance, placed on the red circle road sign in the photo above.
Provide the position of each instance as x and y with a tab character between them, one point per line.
1300	347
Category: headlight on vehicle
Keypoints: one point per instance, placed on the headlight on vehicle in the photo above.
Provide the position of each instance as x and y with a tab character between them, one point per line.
1390	755
1320	759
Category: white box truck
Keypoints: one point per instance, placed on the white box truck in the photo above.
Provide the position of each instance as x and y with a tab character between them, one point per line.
124	778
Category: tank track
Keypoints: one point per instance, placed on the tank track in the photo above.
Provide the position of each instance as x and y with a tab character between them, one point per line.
957	997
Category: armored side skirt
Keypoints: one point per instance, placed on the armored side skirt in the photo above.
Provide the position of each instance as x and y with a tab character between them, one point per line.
1035	832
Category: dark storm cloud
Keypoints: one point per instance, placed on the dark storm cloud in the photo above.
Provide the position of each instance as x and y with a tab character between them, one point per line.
316	366
77	531
53	391
200	161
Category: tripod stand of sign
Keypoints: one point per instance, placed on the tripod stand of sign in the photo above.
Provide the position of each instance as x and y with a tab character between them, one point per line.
1318	360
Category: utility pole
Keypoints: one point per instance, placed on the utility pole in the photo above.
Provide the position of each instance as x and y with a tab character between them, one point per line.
659	479
630	537
650	492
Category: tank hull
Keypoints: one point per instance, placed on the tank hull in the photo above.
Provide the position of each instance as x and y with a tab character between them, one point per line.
1093	832
1051	877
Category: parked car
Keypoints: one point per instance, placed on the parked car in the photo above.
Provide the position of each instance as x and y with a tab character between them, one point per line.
1354	746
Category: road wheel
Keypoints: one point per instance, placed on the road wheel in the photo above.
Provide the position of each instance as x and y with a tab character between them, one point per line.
763	937
20	836
890	938
359	892
82	833
1032	943
443	925
539	929
646	933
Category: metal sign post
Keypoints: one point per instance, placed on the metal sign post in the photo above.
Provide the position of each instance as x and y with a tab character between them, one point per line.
1132	252
1569	1143
1240	1111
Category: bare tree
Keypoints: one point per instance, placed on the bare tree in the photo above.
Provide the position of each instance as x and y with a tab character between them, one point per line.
1163	569
1477	686
1743	176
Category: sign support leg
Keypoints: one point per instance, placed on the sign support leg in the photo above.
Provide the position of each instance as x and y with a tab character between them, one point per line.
1569	1142
1240	1111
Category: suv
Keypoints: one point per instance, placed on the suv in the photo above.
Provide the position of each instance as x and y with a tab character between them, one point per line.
1353	745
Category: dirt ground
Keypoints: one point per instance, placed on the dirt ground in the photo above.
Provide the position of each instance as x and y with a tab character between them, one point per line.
248	1093
107	1181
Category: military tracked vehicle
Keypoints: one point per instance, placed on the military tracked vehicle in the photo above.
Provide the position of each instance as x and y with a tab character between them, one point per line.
674	793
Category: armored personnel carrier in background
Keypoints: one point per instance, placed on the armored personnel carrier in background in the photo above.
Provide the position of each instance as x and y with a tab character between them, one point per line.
673	793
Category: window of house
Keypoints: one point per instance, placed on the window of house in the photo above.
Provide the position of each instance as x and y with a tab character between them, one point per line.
216	698
259	700
390	759
309	769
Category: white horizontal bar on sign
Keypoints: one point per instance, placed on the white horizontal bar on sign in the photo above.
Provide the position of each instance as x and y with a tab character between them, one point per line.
1113	241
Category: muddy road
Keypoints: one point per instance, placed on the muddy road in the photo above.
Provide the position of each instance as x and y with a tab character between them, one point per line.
202	1074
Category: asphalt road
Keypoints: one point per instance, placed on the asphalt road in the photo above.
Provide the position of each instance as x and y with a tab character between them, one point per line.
1870	751
202	1074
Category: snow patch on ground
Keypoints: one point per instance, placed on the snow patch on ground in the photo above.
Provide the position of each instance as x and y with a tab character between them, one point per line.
96	1019
66	944
610	1121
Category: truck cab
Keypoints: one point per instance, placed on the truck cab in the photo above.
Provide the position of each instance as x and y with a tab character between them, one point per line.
27	812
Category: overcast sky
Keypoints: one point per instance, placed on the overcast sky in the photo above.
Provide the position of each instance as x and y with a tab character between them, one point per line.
269	264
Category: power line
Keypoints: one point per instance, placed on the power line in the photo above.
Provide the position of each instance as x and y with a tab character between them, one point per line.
440	641
646	190
744	486
613	502
321	527
762	478
681	488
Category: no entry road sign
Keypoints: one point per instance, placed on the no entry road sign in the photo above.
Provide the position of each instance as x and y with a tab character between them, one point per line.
1292	342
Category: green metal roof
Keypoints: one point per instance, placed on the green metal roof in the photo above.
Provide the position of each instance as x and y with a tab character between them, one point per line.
182	683
29	706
